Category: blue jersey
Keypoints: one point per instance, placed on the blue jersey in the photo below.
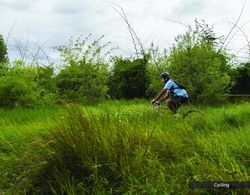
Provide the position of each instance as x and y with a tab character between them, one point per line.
176	90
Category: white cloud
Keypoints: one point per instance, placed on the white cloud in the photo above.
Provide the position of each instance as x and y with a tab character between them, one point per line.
55	21
190	7
14	5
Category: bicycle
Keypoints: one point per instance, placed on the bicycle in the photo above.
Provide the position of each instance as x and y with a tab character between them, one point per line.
180	110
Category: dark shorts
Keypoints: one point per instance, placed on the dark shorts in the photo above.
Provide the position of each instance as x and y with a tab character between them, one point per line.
178	100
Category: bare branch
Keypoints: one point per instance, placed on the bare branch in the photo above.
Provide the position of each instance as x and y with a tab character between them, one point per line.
177	22
26	47
11	30
129	28
47	57
30	53
133	34
235	24
39	49
241	50
18	47
240	28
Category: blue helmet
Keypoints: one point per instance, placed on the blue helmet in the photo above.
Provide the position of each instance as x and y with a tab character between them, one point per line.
164	75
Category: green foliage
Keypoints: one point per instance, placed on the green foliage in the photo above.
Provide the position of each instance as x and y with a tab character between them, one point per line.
82	50
3	57
3	51
21	86
158	63
242	79
82	83
84	75
17	88
4	67
129	78
45	80
123	147
195	62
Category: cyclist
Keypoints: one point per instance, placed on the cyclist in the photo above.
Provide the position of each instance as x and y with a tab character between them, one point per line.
175	96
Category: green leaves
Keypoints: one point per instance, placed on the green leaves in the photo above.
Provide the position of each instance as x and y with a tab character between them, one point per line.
85	73
3	51
83	50
129	78
26	86
241	74
197	63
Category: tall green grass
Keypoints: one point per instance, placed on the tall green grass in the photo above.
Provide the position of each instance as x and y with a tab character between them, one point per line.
125	147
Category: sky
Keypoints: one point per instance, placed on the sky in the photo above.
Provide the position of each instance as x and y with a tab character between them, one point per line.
28	25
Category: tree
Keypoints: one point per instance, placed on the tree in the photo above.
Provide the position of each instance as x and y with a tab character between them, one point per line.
18	87
129	78
3	51
196	62
84	75
3	57
242	79
156	65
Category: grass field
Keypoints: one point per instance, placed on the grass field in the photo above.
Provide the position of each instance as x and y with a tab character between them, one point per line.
123	147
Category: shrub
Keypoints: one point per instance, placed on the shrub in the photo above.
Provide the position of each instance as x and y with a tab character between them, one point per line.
3	51
157	64
17	88
128	78
22	86
82	83
196	62
242	79
3	57
84	75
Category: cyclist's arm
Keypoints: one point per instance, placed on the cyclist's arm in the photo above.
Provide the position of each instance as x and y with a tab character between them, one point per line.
165	97
159	95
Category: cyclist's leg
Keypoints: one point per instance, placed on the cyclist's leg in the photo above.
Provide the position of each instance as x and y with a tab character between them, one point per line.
172	105
178	101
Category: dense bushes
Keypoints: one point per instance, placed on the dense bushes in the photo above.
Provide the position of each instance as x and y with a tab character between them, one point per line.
3	51
158	63
82	83
22	86
241	74
199	68
197	62
129	78
82	78
86	75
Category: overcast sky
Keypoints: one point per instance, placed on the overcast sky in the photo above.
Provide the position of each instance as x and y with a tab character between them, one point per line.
50	23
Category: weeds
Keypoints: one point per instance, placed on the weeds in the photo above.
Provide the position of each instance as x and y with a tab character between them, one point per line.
126	148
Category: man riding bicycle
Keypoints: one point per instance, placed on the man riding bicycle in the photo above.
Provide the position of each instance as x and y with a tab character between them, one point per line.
175	95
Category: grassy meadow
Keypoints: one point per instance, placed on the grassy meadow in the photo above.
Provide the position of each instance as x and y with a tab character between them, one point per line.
123	147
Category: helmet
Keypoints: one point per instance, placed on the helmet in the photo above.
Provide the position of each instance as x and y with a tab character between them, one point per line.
164	75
